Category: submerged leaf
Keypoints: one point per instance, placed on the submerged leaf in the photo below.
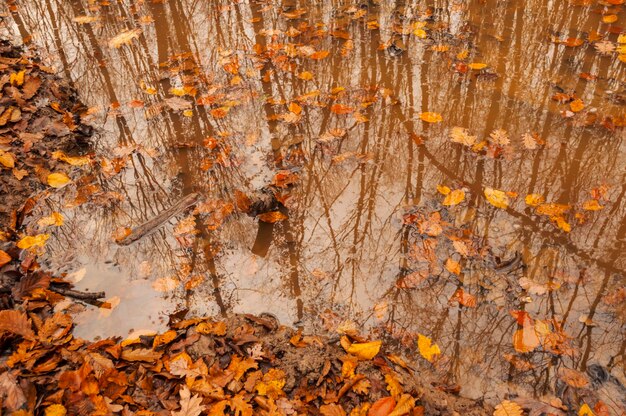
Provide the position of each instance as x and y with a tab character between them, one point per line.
427	349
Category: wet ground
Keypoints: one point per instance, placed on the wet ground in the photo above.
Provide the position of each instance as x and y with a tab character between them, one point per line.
335	107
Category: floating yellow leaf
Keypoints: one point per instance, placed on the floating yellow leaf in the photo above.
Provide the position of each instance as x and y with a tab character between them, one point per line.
508	408
81	20
585	410
53	219
453	266
306	75
497	198
364	350
427	349
562	223
592	205
124	37
454	198
431	117
33	241
609	18
552	209
58	180
443	190
577	105
477	65
534	199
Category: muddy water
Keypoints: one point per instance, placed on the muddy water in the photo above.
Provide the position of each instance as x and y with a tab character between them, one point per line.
198	100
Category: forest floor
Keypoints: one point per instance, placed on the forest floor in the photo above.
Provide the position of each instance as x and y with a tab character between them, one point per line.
240	365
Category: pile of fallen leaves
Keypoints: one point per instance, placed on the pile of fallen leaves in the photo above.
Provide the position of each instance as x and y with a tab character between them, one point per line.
243	365
40	125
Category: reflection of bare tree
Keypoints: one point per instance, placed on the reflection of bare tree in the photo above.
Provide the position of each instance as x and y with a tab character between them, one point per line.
345	215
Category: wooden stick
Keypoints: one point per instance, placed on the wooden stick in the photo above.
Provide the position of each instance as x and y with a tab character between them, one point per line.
154	223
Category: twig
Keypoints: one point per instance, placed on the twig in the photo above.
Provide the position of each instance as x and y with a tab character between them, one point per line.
154	223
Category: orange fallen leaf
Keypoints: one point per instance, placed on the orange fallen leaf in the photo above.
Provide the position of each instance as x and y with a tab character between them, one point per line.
508	408
341	109
454	198
382	407
29	241
272	217
4	258
577	105
592	205
477	65
431	117
525	339
453	266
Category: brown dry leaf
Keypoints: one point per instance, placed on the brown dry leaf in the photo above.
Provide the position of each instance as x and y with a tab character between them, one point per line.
124	38
11	392
497	198
382	407
431	117
17	323
365	350
573	378
454	198
58	179
189	405
4	258
272	217
508	408
427	349
141	354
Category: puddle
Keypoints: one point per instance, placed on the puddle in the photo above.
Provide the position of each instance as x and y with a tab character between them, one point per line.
218	97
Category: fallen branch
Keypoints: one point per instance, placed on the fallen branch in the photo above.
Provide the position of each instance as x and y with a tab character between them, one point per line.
153	224
75	294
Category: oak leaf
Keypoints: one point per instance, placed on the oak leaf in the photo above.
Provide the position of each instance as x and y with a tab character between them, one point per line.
189	405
